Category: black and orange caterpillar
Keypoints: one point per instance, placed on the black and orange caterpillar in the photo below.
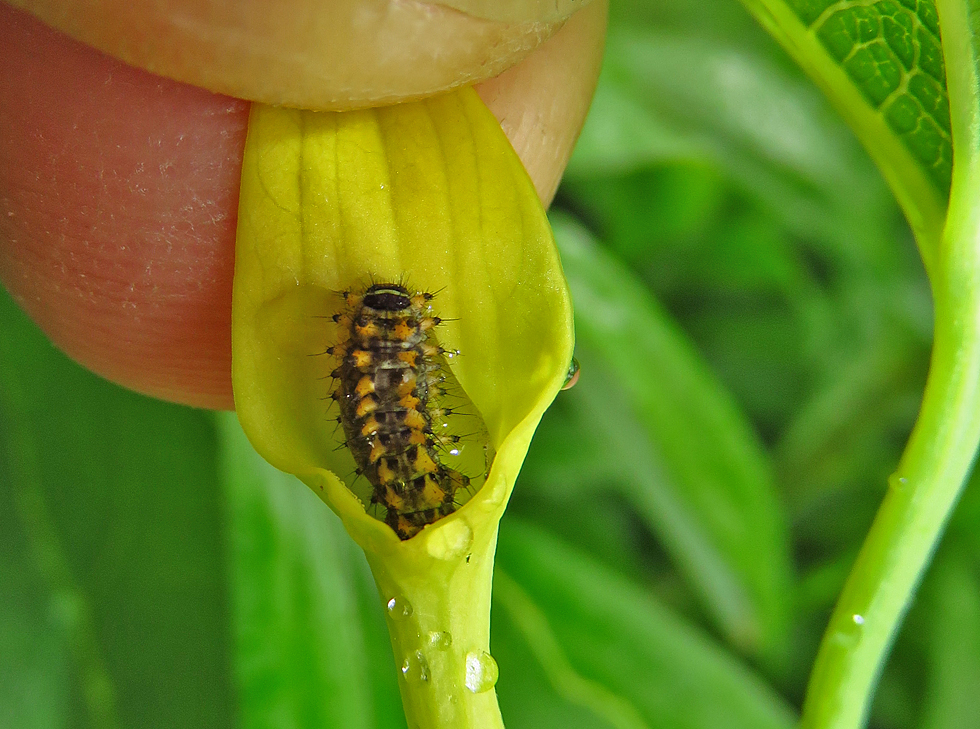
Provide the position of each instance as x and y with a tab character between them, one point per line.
387	385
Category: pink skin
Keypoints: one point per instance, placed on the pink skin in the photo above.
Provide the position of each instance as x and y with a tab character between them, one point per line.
118	198
118	192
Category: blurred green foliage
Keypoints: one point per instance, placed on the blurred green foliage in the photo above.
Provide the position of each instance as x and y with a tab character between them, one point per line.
754	327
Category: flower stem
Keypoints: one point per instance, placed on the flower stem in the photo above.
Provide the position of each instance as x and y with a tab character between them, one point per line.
439	621
940	453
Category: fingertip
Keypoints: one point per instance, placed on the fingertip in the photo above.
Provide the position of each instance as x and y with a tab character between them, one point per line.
334	55
118	192
542	102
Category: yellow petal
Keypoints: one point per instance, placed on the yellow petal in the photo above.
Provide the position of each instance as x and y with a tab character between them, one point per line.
430	193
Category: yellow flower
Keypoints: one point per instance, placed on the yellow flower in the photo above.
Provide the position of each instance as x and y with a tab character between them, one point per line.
429	192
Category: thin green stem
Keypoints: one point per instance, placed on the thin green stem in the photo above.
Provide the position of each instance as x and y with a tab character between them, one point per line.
940	453
439	621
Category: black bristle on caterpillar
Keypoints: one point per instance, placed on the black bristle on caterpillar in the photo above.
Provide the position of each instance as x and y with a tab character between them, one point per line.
387	381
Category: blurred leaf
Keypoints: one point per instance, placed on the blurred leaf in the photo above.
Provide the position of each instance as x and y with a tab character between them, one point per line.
964	526
607	646
715	20
35	669
652	210
116	511
709	494
855	420
954	660
754	348
311	646
749	253
575	688
767	128
621	135
527	697
591	512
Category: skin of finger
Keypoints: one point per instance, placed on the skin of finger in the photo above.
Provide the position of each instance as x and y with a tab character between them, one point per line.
561	77
117	223
118	198
313	54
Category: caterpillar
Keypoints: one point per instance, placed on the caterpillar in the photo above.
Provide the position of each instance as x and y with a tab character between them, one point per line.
388	382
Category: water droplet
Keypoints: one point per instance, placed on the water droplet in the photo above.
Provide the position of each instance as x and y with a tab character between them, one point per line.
848	634
449	540
481	671
406	666
423	665
572	377
440	639
399	607
898	483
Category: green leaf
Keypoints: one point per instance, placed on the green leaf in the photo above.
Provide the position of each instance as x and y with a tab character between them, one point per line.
112	505
891	51
880	63
607	646
703	481
311	647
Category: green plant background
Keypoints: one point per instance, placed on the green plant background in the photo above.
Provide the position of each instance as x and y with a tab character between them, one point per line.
753	324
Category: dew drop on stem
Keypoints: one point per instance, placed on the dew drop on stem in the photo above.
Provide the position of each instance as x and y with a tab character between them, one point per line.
399	607
481	671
